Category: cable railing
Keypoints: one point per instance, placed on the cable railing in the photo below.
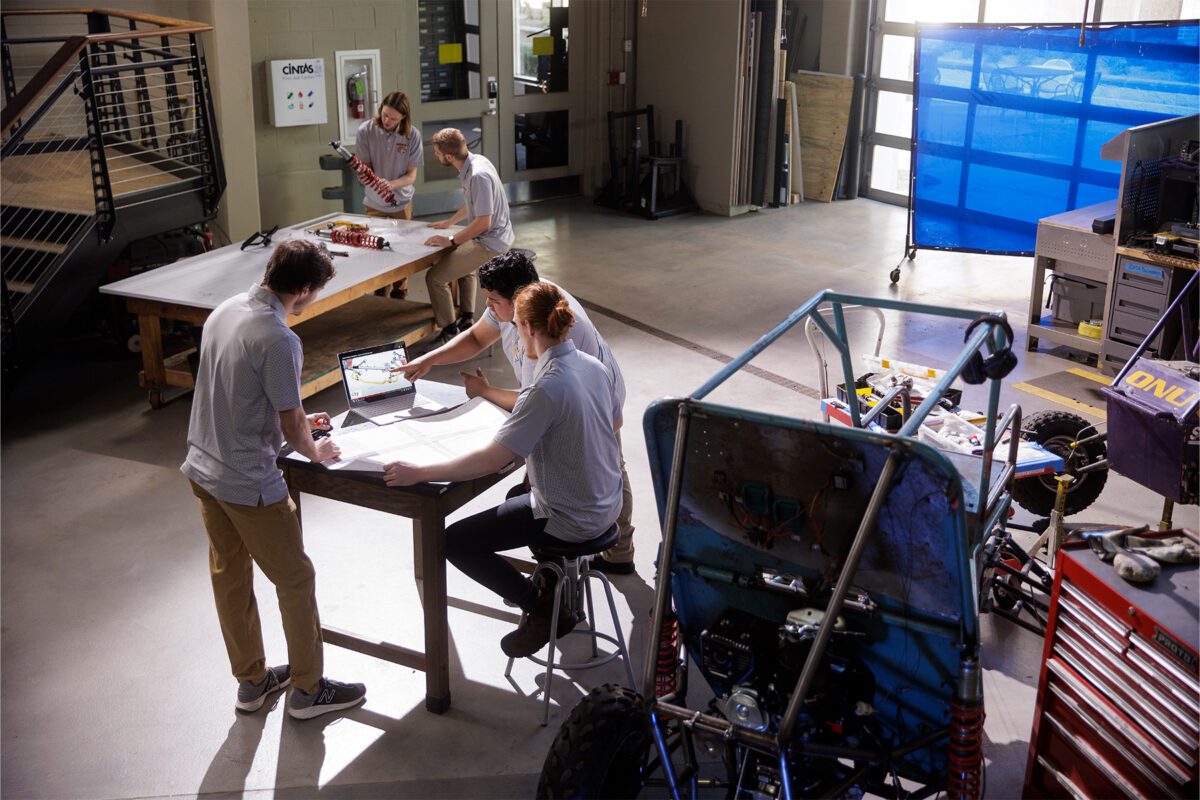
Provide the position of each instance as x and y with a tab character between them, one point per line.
104	111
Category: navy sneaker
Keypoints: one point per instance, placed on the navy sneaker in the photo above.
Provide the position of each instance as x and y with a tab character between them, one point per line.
252	696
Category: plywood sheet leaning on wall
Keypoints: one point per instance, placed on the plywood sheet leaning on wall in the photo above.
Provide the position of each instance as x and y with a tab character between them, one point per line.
824	104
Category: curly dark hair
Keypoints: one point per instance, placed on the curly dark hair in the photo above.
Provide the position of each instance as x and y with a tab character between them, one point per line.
297	263
506	273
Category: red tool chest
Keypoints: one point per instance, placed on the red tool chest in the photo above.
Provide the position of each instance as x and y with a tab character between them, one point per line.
1118	702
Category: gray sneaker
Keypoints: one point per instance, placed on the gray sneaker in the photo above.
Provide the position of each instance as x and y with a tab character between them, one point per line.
252	696
328	696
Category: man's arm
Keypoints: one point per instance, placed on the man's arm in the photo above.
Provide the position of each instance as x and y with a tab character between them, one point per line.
477	385
446	223
477	226
297	431
482	462
407	179
462	347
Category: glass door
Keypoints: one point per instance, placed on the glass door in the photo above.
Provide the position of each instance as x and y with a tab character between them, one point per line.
447	84
498	70
536	98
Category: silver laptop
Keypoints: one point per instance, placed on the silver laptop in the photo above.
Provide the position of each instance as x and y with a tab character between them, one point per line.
376	389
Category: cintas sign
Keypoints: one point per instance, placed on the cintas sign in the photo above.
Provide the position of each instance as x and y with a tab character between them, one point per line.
298	92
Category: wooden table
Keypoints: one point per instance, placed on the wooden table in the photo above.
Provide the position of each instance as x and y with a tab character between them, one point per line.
427	505
347	315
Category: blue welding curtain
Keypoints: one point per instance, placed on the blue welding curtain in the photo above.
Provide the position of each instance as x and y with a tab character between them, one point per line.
1008	122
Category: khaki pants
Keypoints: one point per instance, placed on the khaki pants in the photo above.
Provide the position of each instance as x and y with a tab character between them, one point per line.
459	265
622	551
404	213
239	537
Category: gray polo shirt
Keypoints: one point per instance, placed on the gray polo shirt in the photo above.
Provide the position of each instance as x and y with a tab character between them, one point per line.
485	195
583	333
562	425
249	371
390	156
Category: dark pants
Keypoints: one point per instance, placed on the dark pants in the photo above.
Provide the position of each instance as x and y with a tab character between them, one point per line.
472	545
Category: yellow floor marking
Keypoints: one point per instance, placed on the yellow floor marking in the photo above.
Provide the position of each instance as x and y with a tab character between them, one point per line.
1062	400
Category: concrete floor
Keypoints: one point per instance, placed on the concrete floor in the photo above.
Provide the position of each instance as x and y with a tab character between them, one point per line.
115	677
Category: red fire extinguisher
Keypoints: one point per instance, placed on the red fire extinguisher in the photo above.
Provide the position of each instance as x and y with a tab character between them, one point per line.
356	94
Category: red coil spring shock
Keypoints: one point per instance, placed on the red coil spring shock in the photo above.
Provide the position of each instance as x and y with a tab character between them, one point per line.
357	238
365	175
666	671
966	750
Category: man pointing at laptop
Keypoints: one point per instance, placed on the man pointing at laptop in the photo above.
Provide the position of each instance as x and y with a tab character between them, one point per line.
501	278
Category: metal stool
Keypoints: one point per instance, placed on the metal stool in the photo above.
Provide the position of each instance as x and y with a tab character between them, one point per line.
569	562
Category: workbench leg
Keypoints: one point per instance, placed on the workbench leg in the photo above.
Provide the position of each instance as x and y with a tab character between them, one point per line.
431	528
418	551
154	368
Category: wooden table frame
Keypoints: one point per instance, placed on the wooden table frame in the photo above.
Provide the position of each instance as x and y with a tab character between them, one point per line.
159	372
427	505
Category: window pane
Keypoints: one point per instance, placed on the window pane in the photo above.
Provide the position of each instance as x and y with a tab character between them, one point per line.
897	59
1135	10
541	139
1035	11
890	170
932	11
472	130
894	114
449	49
540	39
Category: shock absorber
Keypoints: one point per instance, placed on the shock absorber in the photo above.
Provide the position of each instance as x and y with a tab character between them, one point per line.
354	238
965	778
666	671
366	176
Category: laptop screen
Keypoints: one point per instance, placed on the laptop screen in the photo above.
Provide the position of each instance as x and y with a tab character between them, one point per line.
370	374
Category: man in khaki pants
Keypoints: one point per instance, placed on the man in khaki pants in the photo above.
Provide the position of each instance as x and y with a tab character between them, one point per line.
487	233
247	402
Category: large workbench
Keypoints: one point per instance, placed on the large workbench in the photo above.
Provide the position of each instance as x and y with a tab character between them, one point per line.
346	315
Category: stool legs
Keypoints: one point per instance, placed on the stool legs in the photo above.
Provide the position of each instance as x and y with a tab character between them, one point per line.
612	606
573	578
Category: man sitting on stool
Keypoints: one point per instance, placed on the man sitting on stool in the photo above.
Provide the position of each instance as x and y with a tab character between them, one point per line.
562	425
488	232
501	278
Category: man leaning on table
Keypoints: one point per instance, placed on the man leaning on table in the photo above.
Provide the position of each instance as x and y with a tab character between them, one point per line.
247	402
501	278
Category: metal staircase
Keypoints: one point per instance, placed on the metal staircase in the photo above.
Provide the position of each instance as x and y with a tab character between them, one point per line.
107	135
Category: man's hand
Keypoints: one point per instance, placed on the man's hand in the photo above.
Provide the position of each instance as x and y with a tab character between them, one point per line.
475	384
440	225
417	368
319	421
438	241
327	450
401	473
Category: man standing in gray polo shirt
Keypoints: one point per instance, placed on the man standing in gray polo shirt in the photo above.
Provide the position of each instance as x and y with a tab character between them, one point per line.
487	233
247	402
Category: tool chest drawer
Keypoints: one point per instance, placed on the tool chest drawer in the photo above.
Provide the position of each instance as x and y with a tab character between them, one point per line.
1118	708
1150	277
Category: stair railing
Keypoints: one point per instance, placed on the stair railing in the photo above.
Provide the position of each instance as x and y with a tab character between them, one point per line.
109	111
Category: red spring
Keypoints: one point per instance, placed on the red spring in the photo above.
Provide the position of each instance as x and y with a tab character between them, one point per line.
666	673
372	181
966	751
357	238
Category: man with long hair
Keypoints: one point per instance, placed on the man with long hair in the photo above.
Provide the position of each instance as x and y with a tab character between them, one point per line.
390	145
